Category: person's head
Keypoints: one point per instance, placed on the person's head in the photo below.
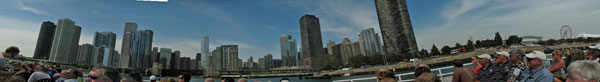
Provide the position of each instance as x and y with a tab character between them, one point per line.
556	54
421	69
577	55
171	80
209	80
69	74
184	78
242	80
484	59
595	50
227	79
583	71
384	73
284	80
11	52
501	57
535	59
474	60
99	74
516	56
457	63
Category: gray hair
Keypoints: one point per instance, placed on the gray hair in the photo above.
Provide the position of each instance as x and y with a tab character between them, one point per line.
587	69
518	52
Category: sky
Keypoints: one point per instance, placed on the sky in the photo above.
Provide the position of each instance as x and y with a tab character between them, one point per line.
255	25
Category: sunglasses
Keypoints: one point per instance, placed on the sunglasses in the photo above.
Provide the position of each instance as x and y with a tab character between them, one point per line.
93	77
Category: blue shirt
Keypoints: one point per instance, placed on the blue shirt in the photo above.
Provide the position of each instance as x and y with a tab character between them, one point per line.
537	75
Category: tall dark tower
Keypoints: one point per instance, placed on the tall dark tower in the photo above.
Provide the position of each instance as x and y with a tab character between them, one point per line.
310	30
44	42
396	28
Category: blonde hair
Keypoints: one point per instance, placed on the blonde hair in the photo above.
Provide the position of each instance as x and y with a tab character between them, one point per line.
557	52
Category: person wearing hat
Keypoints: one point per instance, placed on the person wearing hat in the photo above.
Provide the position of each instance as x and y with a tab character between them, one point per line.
595	53
485	73
152	78
536	72
500	68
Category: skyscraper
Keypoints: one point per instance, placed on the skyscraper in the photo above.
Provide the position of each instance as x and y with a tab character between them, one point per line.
370	42
226	57
105	39
346	50
141	44
198	59
66	41
85	54
283	40
175	59
165	57
396	27
268	61
128	33
251	63
44	42
310	31
204	50
291	53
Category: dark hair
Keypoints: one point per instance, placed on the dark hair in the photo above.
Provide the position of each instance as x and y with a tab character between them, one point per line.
186	77
12	49
421	70
228	79
109	73
458	63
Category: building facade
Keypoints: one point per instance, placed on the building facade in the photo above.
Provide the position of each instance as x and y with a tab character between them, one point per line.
165	58
204	50
44	41
370	42
396	27
66	41
310	32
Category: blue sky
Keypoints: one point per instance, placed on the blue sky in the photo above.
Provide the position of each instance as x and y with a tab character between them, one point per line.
256	25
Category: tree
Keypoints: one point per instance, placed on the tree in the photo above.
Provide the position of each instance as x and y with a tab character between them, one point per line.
434	50
424	53
497	39
376	59
446	50
457	46
477	44
327	62
470	47
359	60
513	39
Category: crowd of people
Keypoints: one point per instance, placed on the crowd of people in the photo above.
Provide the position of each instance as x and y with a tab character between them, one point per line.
565	65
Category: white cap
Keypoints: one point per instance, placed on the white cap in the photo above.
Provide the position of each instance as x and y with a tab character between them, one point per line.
503	53
597	46
487	56
152	77
536	55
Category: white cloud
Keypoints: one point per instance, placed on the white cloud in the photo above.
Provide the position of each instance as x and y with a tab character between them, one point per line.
539	18
30	9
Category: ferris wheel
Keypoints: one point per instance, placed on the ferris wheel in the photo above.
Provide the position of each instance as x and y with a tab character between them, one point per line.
565	32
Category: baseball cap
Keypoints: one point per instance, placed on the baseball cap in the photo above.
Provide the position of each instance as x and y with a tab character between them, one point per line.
486	56
503	53
536	55
153	77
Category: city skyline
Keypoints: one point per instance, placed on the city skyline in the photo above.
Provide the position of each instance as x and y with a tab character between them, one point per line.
454	16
